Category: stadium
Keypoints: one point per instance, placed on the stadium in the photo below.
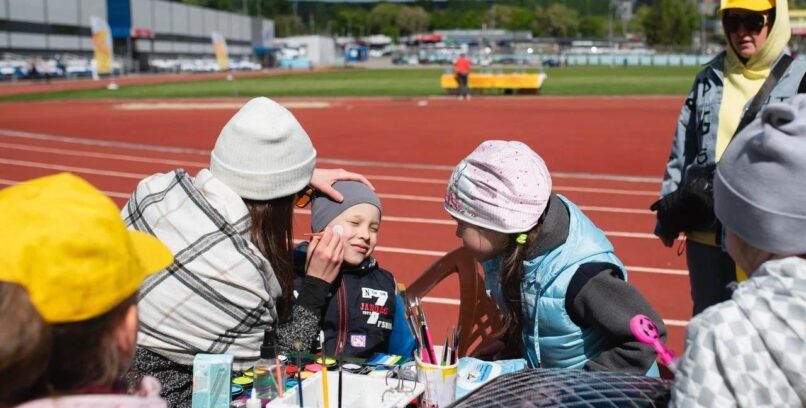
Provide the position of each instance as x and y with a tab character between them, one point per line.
114	91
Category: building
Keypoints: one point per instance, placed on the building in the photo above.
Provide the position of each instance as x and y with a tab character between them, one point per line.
141	29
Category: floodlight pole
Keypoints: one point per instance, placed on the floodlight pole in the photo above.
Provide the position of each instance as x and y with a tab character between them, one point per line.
611	10
702	26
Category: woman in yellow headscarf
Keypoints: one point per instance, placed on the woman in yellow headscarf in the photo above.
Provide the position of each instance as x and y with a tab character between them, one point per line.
757	32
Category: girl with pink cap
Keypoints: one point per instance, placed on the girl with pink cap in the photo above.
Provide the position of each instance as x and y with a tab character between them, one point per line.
552	272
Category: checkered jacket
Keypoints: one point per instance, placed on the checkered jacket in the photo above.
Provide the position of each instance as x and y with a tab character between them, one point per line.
751	350
219	294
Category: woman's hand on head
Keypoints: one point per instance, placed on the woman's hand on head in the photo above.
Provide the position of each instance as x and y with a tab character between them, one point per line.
325	255
323	180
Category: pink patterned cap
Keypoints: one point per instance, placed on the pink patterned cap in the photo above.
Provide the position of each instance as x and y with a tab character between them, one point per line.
503	186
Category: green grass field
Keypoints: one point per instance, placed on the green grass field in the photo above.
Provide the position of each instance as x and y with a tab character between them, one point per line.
397	83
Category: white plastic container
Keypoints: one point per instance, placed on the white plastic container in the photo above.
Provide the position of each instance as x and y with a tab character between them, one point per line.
358	391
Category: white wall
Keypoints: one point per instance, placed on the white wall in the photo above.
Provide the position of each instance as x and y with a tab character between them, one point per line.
160	16
63	12
23	40
179	19
196	22
90	8
64	42
141	14
27	10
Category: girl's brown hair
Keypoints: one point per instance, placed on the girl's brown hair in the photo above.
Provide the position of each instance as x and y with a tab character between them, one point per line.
38	359
510	280
24	345
272	233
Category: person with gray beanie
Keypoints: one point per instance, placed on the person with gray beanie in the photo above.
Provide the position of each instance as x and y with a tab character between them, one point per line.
358	310
229	228
751	350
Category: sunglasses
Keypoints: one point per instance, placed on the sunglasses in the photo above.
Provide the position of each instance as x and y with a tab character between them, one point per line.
752	22
304	197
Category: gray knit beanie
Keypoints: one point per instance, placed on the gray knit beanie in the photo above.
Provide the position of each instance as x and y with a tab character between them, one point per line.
263	153
760	182
324	209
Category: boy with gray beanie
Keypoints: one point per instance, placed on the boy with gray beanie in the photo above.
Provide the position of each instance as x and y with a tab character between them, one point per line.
358	309
751	350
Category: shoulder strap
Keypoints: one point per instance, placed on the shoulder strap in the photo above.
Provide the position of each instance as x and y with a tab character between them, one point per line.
802	87
764	93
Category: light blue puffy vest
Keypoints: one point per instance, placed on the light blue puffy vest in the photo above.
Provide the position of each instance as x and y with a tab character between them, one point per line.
550	337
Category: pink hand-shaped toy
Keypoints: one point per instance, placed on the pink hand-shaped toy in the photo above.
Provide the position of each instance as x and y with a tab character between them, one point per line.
646	331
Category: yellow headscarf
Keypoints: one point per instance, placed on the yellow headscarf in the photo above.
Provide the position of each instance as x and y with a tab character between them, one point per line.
743	80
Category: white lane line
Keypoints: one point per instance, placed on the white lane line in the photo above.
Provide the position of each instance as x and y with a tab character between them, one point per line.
97	155
436	221
608	177
100	142
140	159
411	197
392	218
676	323
441	300
615	210
622	234
589	208
426	180
83	170
28	163
662	271
214	105
650	193
331	161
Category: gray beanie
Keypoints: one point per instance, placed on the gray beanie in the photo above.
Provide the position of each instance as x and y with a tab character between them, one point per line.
324	209
263	153
760	182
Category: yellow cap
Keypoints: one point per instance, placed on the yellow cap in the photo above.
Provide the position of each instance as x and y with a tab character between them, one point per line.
66	244
754	5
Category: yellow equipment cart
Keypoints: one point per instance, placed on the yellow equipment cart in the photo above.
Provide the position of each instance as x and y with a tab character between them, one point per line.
508	83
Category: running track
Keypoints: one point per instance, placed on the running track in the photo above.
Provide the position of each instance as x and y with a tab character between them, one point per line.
606	154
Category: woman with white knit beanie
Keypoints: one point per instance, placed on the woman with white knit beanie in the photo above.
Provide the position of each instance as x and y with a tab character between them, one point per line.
230	230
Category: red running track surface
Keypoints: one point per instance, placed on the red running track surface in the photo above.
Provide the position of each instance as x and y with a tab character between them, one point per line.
606	154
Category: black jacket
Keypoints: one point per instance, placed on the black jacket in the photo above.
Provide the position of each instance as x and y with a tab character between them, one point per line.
356	311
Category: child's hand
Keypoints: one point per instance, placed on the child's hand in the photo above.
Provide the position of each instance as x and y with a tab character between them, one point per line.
325	254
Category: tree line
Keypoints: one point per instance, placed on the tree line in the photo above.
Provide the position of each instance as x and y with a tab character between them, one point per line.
659	22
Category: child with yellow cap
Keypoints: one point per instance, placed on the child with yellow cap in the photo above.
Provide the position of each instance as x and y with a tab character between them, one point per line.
68	296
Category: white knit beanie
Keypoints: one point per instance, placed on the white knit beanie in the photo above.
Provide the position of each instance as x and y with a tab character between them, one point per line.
263	153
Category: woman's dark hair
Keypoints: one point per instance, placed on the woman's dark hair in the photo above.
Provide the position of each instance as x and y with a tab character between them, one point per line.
38	359
272	233
510	280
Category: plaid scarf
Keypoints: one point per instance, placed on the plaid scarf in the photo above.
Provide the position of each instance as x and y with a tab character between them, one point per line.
219	294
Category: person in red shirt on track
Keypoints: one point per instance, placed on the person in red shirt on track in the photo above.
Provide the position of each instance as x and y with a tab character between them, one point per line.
461	69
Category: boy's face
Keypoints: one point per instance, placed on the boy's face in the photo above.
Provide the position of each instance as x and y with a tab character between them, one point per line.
483	243
361	223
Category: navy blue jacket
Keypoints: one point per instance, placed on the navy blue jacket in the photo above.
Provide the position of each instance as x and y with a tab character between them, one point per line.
358	310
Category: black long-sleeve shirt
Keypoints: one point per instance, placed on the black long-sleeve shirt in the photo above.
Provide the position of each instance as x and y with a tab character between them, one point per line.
599	297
